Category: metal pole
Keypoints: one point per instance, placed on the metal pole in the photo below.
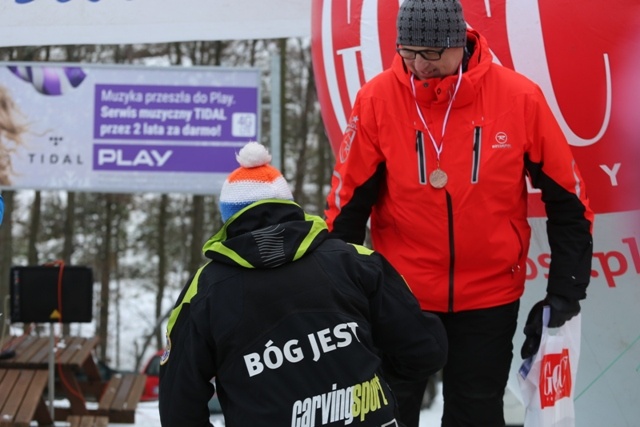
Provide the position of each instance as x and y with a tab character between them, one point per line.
51	370
276	134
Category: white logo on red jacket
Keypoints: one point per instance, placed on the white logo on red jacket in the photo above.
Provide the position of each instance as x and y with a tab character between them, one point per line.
501	139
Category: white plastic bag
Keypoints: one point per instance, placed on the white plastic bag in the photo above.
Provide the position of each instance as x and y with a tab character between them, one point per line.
547	379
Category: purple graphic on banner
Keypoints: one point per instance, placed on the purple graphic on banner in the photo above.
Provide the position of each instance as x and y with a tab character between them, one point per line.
175	113
164	158
50	80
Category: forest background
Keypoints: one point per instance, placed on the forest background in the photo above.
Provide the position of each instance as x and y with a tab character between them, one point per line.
154	241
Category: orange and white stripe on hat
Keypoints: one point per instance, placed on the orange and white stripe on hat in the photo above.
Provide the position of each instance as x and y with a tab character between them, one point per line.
254	180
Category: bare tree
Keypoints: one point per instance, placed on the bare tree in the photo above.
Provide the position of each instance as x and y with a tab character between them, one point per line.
302	131
105	276
34	226
69	220
162	262
90	228
6	251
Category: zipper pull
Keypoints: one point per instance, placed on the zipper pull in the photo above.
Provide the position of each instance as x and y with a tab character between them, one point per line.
515	269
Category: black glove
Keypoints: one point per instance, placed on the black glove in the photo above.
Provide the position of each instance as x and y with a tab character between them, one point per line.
561	310
532	331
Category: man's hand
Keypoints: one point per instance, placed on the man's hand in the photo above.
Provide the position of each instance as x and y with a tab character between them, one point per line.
561	310
532	331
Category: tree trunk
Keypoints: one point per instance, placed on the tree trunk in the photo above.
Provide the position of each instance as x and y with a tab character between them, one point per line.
301	136
34	227
119	246
162	262
103	324
323	163
197	233
69	220
282	46
6	248
67	246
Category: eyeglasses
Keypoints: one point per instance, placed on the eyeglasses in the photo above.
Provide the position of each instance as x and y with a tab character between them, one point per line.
426	54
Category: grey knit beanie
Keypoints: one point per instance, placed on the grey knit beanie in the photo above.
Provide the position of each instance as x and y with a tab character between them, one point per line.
431	23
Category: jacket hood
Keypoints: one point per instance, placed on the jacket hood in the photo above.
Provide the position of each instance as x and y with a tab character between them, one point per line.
266	234
439	90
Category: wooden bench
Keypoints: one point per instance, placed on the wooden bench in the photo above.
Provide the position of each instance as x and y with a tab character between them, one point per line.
88	421
21	398
120	398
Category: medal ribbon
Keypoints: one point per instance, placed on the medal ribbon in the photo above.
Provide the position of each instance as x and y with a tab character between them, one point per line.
436	146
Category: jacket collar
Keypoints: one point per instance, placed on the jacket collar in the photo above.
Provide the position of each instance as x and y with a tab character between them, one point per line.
438	91
266	234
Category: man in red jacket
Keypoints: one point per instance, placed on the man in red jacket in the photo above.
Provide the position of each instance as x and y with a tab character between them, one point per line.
436	154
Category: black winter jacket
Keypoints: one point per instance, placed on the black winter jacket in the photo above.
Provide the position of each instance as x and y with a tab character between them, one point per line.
296	328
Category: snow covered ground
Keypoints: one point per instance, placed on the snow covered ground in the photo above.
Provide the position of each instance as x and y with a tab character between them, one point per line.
132	318
147	416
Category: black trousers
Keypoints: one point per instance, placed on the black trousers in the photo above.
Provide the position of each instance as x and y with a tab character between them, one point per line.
475	376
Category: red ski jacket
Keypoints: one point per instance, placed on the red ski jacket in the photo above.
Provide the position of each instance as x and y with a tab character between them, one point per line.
463	246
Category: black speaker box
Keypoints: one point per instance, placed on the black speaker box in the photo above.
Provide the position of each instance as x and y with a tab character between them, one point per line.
38	295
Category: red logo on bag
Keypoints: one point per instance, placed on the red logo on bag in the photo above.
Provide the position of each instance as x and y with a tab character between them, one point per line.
555	378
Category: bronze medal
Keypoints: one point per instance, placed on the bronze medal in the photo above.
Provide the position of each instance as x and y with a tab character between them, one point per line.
438	178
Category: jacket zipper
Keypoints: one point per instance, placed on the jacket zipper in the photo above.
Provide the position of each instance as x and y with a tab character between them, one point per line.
422	160
475	167
516	268
452	255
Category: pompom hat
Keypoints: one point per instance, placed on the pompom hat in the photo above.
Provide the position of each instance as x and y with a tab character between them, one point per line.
431	23
254	180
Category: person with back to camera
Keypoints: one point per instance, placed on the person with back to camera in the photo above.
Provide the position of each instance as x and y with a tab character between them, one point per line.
436	154
297	329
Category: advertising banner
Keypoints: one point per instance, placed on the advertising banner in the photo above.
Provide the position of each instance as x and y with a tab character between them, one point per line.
124	128
579	53
56	22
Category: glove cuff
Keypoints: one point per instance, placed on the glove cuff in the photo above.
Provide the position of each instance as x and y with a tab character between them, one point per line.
562	303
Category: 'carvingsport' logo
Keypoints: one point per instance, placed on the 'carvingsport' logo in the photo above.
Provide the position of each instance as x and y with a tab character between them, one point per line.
345	404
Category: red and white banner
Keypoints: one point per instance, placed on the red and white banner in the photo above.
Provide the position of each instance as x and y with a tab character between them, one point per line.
56	22
581	57
582	54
